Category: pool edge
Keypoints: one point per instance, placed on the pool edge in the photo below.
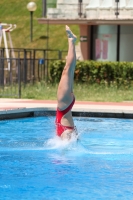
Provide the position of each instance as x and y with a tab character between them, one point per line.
35	112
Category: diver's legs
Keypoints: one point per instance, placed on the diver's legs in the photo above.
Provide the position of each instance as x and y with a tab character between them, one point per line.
64	93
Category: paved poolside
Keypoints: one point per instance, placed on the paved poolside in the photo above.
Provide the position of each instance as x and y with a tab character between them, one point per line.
19	105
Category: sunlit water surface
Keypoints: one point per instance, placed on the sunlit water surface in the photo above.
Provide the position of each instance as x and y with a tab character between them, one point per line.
36	165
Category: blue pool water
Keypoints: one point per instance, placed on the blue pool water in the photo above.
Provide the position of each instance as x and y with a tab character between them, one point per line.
35	165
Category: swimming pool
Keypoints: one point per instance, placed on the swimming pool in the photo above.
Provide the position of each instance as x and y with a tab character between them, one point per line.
35	165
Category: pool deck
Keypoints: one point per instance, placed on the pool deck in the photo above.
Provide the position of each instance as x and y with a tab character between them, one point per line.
103	109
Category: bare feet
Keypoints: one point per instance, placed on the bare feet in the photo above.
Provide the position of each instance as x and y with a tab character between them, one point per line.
70	34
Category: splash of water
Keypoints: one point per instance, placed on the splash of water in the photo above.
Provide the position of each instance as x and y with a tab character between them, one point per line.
69	148
57	143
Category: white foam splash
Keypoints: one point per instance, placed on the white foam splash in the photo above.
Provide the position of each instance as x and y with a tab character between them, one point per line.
58	143
71	148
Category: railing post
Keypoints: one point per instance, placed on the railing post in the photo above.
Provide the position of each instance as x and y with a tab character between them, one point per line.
60	55
46	66
19	79
1	72
2	68
10	72
3	50
34	65
44	57
25	68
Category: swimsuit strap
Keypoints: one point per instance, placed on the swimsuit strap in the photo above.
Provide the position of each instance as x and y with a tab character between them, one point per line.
68	108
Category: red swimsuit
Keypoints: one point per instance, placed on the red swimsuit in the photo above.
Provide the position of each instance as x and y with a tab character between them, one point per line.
59	114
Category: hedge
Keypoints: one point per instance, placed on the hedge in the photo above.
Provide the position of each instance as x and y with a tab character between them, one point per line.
107	73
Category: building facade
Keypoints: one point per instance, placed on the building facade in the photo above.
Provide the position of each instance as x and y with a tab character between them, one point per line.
106	26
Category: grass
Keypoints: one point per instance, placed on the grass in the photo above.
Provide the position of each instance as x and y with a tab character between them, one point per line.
83	92
15	12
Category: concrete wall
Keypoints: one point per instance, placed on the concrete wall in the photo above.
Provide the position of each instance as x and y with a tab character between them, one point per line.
94	9
66	9
105	9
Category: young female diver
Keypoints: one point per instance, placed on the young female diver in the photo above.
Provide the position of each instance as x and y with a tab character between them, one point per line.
65	98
